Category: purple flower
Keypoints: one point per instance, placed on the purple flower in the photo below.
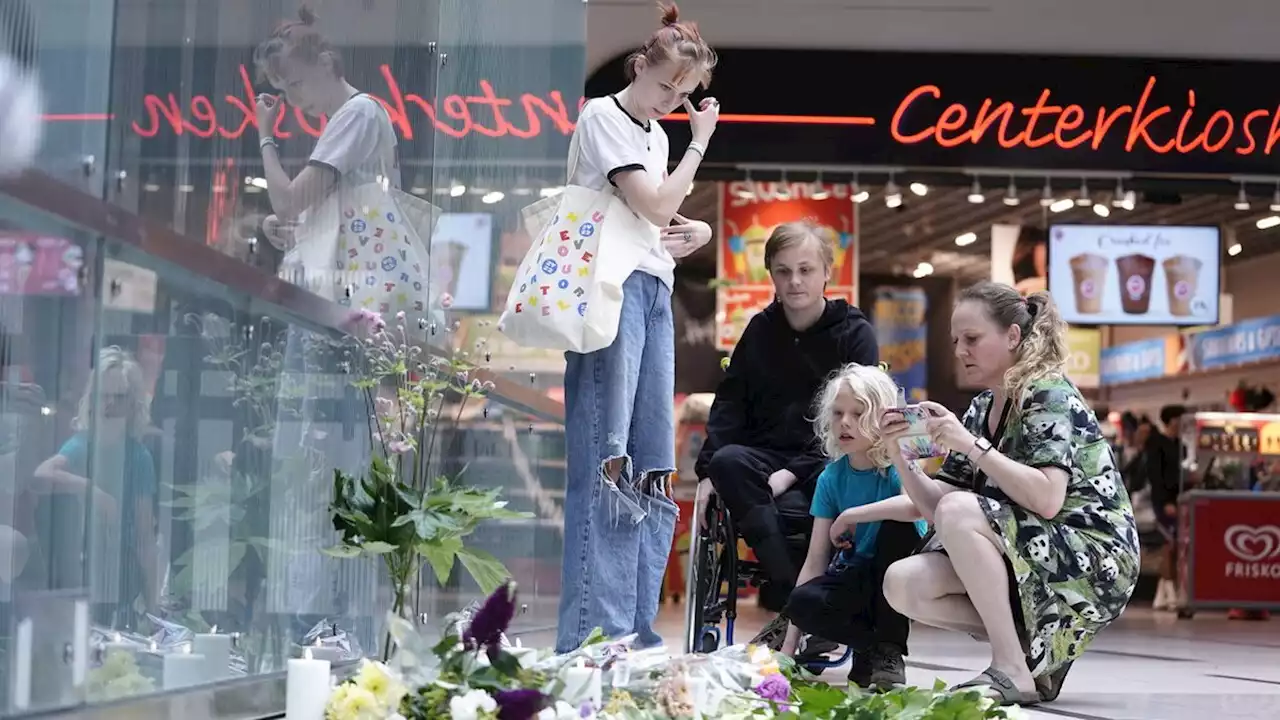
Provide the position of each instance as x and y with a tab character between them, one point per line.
398	447
492	619
520	704
775	688
370	319
587	710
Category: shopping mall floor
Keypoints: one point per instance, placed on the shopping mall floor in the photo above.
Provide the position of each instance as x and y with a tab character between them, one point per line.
1148	666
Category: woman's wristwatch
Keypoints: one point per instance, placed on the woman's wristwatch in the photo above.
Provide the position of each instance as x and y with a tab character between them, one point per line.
981	446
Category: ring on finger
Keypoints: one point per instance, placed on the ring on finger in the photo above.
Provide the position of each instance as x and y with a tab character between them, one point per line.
687	235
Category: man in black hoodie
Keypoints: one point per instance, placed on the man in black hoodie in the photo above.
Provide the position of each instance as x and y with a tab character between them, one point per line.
760	440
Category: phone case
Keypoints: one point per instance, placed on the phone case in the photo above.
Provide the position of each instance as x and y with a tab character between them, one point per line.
918	445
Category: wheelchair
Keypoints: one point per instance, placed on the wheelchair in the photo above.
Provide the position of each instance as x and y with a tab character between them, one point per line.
716	575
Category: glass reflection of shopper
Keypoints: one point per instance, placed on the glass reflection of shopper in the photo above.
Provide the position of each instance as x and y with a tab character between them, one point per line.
358	144
106	462
620	425
1036	547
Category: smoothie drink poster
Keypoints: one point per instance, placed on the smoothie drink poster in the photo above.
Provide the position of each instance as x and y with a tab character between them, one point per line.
735	306
751	210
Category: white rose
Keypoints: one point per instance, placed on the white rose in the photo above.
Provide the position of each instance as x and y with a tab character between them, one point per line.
468	707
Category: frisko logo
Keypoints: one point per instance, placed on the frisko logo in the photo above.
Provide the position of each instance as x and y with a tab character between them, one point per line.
483	113
1253	544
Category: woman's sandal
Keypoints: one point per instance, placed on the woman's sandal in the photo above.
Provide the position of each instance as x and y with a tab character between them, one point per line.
1051	685
1005	691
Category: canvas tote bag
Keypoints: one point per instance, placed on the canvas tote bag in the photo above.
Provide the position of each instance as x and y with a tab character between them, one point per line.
567	293
366	247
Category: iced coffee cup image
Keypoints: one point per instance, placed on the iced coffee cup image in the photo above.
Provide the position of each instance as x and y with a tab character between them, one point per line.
1182	281
1135	283
1088	274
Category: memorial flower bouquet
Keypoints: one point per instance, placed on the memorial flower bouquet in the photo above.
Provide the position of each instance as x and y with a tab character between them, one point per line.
401	510
474	673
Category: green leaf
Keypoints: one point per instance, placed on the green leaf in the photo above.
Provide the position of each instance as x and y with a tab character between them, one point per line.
441	555
377	547
342	551
487	570
507	664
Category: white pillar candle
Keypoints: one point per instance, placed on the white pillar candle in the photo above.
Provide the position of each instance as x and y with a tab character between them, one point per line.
307	688
583	684
216	650
183	669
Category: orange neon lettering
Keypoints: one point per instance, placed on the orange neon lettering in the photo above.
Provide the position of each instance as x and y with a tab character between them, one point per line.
1184	147
1214	146
953	118
1105	121
457	117
895	127
1071	118
1138	127
1274	135
1248	132
1033	114
985	119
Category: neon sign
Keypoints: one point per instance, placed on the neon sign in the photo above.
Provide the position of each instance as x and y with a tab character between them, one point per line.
1072	126
456	116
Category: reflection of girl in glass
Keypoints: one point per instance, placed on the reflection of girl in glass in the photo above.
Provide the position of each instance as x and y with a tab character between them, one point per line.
106	461
358	144
1030	256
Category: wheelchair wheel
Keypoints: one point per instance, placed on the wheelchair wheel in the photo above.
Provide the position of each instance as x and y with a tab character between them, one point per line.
702	616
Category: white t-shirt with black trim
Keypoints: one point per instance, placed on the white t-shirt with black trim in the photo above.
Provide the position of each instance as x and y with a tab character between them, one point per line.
359	144
611	141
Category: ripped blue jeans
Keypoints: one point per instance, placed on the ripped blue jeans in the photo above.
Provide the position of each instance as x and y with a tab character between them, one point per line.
619	407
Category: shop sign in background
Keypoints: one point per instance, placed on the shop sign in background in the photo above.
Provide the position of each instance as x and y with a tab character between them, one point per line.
902	334
1245	342
1084	354
749	213
1134	362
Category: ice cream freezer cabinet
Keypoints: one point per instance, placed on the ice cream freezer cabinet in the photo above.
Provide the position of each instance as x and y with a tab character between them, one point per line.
1228	551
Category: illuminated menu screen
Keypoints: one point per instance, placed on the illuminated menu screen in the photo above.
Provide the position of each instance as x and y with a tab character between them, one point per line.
1228	439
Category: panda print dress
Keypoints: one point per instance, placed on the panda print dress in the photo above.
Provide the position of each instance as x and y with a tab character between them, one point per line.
1072	575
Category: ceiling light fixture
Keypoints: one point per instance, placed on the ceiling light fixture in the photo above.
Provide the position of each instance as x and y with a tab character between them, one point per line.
919	188
1117	197
922	270
1083	199
1101	210
975	193
1062	205
1275	199
968	238
1130	200
495	196
1046	194
1235	250
457	190
1268	222
1011	194
860	195
820	191
1242	200
892	195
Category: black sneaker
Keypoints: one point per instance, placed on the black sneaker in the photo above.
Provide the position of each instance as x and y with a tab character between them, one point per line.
860	670
888	668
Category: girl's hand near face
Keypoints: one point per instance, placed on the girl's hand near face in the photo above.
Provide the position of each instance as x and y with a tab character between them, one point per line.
267	107
703	119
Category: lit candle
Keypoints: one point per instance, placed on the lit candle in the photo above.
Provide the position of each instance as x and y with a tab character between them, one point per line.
216	650
115	645
183	669
307	688
581	685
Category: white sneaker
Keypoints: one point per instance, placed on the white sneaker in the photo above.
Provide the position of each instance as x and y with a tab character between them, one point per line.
1166	597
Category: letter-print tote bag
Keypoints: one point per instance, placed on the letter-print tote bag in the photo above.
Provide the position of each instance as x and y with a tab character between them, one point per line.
567	293
365	247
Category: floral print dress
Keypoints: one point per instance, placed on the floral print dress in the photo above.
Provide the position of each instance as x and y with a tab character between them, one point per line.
1072	575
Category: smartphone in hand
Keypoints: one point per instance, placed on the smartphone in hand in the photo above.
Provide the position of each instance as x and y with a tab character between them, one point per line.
916	444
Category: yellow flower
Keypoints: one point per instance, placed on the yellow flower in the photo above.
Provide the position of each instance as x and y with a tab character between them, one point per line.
357	704
337	699
375	678
770	669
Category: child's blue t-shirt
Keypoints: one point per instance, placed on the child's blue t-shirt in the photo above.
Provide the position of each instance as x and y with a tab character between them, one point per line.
841	487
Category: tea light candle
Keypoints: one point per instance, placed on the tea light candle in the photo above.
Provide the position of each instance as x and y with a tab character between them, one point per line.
583	684
307	688
115	645
216	650
183	669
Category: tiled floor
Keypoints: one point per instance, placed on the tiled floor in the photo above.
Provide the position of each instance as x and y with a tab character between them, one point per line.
1146	666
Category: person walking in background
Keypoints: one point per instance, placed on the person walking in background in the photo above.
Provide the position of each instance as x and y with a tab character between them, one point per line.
619	414
1163	451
